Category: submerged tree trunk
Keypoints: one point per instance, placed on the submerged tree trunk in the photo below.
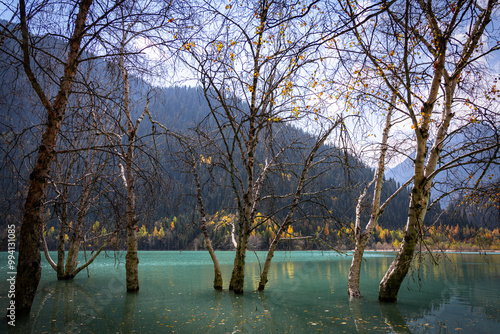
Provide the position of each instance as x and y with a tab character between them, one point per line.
192	161
425	167
131	259
357	258
208	243
393	318
247	212
72	259
28	267
62	232
308	164
217	272
238	274
392	280
129	313
361	237
269	258
69	270
76	240
361	241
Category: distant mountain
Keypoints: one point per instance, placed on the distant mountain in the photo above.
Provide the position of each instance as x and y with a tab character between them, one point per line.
471	138
179	109
401	172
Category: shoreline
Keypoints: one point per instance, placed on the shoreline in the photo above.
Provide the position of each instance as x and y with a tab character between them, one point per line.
496	251
437	251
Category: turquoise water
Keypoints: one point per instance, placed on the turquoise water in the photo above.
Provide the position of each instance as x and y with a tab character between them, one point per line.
306	293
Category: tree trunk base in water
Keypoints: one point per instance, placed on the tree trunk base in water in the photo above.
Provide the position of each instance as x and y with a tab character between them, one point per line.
237	281
353	293
236	287
385	297
388	289
132	262
218	282
29	272
237	292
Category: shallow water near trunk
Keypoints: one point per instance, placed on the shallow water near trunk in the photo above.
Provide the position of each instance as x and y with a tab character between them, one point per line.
306	292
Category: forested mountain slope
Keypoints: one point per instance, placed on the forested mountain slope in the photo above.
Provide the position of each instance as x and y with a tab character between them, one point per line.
165	190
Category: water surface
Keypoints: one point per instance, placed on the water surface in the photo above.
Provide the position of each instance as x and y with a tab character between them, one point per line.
306	292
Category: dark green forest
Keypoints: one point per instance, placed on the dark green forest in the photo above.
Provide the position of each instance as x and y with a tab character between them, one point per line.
168	216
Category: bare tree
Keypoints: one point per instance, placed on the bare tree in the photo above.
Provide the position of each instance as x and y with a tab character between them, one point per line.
218	282
358	88
136	28
361	235
415	69
429	66
91	181
304	178
255	78
191	158
29	268
446	75
132	261
51	67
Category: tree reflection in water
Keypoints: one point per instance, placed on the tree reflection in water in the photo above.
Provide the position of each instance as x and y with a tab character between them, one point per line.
305	293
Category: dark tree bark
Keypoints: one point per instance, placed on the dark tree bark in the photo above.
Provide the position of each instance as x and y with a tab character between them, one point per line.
238	274
29	268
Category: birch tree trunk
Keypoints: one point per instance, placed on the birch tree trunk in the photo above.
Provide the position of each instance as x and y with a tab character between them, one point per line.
186	142
237	281
28	267
131	259
357	259
391	282
425	168
217	272
361	237
66	268
76	238
128	157
208	243
74	248
267	265
248	208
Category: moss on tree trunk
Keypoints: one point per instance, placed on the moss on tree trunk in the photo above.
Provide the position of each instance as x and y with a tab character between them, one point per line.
238	273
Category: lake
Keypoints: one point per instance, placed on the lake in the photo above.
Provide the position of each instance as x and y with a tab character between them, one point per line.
306	293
